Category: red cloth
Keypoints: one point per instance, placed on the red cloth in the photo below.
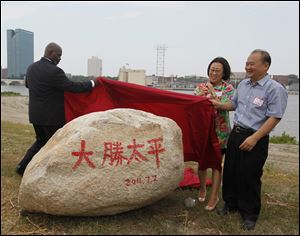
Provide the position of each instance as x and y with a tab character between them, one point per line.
193	114
191	179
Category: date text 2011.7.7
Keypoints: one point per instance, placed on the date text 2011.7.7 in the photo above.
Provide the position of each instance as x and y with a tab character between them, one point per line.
140	180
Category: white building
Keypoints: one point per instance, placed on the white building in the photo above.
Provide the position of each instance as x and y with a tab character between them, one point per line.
151	80
132	76
94	66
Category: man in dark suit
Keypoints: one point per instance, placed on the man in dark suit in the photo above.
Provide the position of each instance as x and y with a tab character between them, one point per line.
46	83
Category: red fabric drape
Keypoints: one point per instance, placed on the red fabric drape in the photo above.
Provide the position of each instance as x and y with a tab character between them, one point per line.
191	179
193	114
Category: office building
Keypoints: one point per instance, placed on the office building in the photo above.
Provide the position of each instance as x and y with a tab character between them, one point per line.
132	76
94	66
19	52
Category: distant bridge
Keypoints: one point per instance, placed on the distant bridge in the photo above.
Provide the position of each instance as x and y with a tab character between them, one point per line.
12	82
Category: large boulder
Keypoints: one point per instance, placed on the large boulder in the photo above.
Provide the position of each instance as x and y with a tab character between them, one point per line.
104	163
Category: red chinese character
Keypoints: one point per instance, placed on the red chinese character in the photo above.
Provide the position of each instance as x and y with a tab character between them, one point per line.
83	154
136	153
113	151
156	148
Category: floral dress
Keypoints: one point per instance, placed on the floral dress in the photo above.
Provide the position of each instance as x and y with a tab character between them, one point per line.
223	93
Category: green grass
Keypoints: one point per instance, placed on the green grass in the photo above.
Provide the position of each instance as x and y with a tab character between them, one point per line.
283	139
10	94
279	214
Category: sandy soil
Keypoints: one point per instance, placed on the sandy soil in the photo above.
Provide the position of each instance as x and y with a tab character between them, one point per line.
15	109
283	156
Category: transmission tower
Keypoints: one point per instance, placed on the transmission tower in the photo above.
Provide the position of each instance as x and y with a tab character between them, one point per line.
160	59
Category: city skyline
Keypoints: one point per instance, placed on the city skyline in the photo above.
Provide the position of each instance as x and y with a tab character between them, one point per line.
126	33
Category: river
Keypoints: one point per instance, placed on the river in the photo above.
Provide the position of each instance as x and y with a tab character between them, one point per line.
289	123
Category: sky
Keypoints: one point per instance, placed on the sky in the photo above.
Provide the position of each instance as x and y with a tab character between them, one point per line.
126	33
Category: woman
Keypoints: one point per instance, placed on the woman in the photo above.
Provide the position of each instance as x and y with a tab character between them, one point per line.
216	88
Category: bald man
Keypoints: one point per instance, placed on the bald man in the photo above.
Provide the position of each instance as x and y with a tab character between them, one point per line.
47	83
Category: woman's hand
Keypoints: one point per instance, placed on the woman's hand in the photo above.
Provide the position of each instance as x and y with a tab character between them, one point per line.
210	86
212	91
217	104
201	90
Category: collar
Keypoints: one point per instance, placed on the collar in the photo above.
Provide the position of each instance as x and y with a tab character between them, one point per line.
260	82
48	59
264	80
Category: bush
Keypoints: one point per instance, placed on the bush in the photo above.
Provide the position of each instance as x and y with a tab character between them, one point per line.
283	139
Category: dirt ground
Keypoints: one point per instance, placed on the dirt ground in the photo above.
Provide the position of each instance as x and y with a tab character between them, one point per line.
283	156
15	109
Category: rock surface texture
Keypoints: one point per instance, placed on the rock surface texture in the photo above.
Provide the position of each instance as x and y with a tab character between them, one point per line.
104	163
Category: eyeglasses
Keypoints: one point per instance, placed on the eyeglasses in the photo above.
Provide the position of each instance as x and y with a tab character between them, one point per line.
212	70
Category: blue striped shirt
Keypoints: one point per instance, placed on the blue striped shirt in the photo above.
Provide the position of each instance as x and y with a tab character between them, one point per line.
255	103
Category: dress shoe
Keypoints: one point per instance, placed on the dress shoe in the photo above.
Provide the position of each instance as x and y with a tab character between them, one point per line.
24	213
202	199
211	208
226	210
19	170
248	224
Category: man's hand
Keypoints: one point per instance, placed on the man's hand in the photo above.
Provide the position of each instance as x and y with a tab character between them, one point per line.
224	106
248	143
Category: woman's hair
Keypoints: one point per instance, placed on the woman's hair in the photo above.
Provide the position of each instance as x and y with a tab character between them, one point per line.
226	67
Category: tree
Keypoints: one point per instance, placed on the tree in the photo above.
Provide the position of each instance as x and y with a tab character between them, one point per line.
292	79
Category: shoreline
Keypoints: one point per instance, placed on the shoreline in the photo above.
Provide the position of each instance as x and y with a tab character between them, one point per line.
15	109
162	88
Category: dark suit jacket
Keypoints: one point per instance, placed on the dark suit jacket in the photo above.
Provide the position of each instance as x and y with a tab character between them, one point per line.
46	83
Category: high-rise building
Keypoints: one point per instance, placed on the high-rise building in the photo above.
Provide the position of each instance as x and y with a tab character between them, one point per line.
19	52
94	66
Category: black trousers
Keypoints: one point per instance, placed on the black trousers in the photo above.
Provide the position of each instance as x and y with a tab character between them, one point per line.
242	173
43	134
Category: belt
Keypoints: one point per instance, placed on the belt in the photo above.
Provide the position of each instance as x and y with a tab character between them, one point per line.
240	129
